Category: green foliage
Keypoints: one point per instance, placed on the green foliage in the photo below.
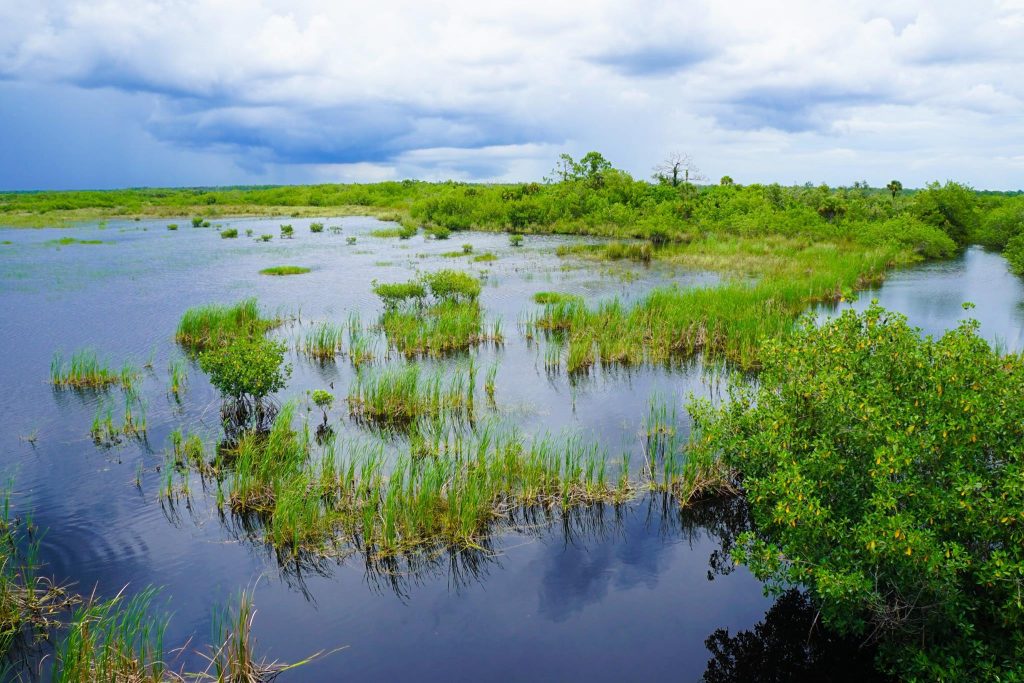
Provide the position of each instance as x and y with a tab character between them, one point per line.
555	298
322	399
396	293
197	221
884	472
287	231
515	240
452	284
172	226
266	237
951	207
1014	254
316	227
229	233
1002	224
215	324
246	367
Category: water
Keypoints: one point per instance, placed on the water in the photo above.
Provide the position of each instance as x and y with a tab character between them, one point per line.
615	597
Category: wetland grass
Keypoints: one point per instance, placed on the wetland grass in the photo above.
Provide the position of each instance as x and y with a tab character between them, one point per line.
285	270
323	342
68	241
178	372
396	396
202	327
316	227
230	233
555	298
85	370
172	226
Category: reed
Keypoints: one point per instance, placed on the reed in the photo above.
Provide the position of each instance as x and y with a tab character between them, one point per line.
396	396
360	343
442	328
210	325
323	342
85	370
178	372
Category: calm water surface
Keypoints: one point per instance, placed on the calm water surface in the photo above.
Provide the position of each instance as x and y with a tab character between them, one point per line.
616	596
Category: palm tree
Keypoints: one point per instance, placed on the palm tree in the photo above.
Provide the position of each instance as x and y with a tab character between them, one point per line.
895	187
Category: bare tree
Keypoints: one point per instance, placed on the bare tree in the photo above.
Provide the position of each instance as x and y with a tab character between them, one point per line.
678	167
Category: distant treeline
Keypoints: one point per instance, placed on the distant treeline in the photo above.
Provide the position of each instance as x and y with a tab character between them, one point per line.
595	198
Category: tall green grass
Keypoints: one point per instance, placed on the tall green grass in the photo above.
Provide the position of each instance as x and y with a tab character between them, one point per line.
323	342
85	370
213	324
399	395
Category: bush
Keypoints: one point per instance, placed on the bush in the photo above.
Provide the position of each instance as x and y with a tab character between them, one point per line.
316	227
951	207
452	284
396	293
884	472
1001	225
197	221
1014	254
287	231
229	233
247	367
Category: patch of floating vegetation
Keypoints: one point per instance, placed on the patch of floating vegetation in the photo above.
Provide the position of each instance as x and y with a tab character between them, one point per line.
229	233
396	396
285	270
555	298
85	370
210	325
449	319
172	226
485	257
68	241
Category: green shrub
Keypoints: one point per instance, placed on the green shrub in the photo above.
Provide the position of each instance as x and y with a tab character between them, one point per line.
172	226
951	207
515	240
229	233
197	221
316	227
885	472
396	293
1014	254
1002	224
452	284
287	231
247	367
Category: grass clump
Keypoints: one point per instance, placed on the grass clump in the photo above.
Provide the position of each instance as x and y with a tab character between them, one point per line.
323	342
395	294
210	325
397	396
485	257
229	233
556	298
285	270
85	370
611	251
316	227
172	226
452	285
266	237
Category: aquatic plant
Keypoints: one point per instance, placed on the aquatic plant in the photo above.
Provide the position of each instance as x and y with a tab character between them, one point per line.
197	221
287	231
248	232
515	240
360	343
247	368
172	226
467	248
485	257
323	341
555	298
285	270
316	227
398	395
68	241
489	381
179	376
229	233
266	237
350	240
209	325
387	232
85	370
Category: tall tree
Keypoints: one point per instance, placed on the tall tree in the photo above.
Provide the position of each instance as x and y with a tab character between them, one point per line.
895	187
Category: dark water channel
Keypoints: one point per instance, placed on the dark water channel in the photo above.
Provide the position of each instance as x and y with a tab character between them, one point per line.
621	595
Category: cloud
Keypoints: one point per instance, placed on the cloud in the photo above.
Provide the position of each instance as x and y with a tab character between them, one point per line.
301	89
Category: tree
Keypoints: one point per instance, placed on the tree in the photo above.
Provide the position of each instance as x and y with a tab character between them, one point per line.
951	207
591	167
895	187
246	370
676	169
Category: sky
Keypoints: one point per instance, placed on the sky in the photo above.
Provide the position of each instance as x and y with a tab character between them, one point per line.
128	93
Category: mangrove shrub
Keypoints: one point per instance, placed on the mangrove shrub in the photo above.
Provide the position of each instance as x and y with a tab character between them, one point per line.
884	473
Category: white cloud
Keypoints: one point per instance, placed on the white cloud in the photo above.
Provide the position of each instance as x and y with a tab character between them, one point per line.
830	90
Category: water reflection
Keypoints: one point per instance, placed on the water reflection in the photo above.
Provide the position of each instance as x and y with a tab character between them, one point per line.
789	644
